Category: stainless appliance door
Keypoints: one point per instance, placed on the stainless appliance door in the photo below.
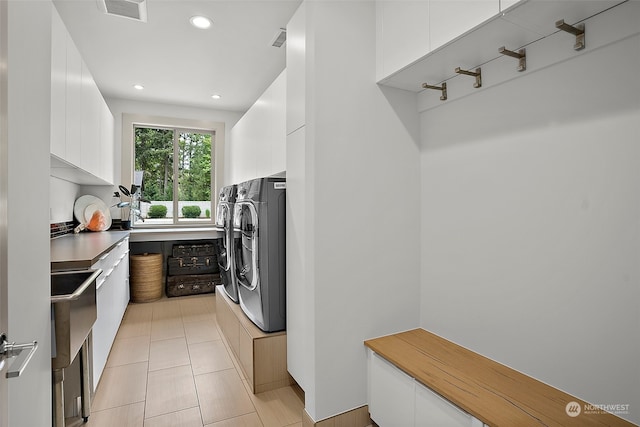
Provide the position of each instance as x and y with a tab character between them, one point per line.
246	248
220	213
224	256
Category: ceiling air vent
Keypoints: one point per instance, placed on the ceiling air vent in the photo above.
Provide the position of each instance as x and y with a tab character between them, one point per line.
132	9
279	39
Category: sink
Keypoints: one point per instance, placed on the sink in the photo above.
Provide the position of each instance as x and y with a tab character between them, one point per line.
73	313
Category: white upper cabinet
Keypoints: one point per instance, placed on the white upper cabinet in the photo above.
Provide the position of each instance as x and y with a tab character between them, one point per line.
258	139
90	124
73	103
449	19
107	140
402	34
541	15
82	133
465	34
505	4
408	30
296	68
58	85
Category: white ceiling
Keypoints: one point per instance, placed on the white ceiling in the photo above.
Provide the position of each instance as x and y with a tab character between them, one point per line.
175	62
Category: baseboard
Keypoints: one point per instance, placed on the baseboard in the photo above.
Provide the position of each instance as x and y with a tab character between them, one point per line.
358	417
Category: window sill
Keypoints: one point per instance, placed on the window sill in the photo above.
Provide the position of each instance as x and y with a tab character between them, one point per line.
174	233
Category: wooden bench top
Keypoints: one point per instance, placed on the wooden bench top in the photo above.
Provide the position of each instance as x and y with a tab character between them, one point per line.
494	393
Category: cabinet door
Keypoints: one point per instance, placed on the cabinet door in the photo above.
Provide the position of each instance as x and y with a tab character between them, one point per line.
106	143
449	19
73	105
505	4
90	125
58	85
101	331
120	283
434	411
296	68
391	400
541	16
402	34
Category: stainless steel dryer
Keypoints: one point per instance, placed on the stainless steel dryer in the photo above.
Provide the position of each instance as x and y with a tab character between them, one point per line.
224	219
259	222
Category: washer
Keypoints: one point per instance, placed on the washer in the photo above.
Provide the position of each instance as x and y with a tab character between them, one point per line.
260	245
224	219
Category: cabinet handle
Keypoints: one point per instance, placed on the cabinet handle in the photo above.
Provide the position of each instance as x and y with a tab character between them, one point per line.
103	257
22	352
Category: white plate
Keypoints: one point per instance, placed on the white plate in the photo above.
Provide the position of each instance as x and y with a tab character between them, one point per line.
85	206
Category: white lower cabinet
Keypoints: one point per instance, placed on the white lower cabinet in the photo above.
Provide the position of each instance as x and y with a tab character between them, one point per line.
398	400
391	400
431	410
112	298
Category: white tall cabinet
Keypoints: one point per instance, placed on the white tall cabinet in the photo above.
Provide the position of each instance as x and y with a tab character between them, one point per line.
82	134
297	237
344	143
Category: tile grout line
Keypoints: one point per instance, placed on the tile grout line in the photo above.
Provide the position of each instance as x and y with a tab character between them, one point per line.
195	386
194	313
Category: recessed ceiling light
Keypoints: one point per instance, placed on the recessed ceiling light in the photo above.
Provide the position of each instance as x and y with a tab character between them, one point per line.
201	22
138	87
216	96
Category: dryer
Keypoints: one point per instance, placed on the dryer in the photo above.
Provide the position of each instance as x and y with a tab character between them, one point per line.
224	220
260	244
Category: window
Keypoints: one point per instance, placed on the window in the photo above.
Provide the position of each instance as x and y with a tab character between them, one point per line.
175	169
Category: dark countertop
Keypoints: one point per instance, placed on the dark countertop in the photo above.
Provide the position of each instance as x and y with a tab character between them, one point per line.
77	251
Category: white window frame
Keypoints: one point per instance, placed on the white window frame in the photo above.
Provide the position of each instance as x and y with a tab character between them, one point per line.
130	121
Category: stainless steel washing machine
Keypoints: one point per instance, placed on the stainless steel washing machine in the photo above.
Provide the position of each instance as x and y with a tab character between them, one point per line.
260	266
224	219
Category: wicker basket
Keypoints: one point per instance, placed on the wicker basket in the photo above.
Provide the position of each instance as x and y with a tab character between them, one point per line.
146	277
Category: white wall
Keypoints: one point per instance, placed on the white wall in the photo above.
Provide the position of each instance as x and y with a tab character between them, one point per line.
27	259
63	196
530	223
258	140
357	188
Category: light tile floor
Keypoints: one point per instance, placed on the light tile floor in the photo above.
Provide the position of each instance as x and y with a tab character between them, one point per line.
170	367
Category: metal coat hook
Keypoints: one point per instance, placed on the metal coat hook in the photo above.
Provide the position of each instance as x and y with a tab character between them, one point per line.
576	30
442	88
477	74
520	55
